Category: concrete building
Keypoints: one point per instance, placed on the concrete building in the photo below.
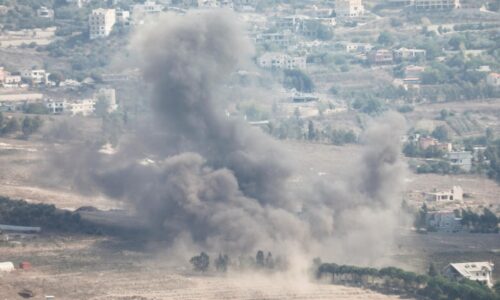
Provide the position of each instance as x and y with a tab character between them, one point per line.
142	11
433	5
276	60
349	8
409	54
84	107
44	12
357	47
481	272
380	57
444	221
455	194
37	76
462	159
123	16
56	107
101	22
7	266
413	74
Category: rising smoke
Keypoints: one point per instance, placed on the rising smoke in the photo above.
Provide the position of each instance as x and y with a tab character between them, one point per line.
221	184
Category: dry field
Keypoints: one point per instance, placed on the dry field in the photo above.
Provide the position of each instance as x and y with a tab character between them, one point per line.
79	268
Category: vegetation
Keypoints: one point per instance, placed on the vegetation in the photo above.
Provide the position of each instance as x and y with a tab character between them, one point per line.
22	213
398	281
485	223
12	125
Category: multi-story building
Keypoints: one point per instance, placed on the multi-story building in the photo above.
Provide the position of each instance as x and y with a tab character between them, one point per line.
462	159
142	11
101	22
281	61
435	4
37	76
380	57
349	8
481	272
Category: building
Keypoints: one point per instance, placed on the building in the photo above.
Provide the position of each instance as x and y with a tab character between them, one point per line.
380	57
101	22
9	80
409	54
7	266
37	76
476	271
455	194
84	107
493	79
281	39
44	12
357	47
444	221
349	8
275	60
462	159
142	11
56	107
123	16
433	5
413	74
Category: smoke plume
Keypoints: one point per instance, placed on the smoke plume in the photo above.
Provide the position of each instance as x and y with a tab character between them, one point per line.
215	182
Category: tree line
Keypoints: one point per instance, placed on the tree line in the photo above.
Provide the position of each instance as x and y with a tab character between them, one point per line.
398	281
222	263
27	126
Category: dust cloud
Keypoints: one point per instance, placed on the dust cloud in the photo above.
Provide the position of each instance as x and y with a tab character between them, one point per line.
210	181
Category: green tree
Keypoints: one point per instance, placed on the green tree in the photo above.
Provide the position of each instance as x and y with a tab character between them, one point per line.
298	80
440	133
56	77
11	126
432	270
259	259
311	134
200	262
385	38
221	263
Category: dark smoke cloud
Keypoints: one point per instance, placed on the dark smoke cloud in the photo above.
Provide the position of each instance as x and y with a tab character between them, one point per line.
205	179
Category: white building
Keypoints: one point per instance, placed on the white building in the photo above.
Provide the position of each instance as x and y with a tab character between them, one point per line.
277	60
493	79
44	12
39	76
56	107
435	4
101	22
142	11
475	271
409	54
349	8
82	107
455	194
7	266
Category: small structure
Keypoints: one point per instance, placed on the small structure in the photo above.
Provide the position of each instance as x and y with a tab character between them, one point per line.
6	266
25	265
493	79
476	271
462	159
455	194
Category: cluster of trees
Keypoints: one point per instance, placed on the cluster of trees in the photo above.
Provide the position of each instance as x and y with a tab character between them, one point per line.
395	280
485	223
296	128
438	167
12	125
261	261
22	213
